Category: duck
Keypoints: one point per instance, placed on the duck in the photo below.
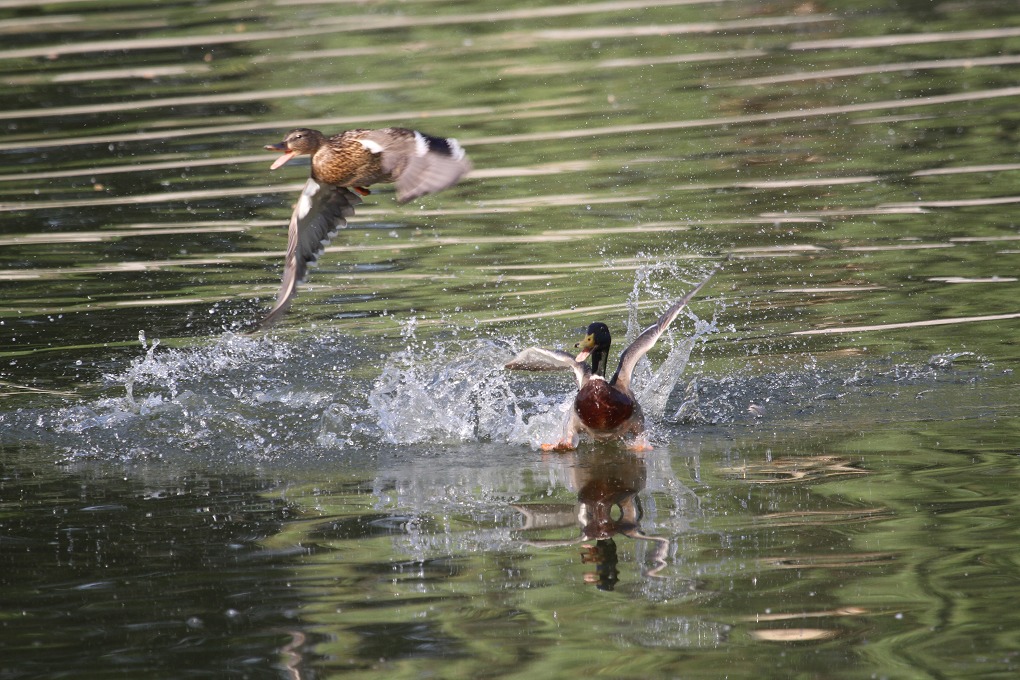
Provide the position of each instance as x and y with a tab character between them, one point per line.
604	409
343	166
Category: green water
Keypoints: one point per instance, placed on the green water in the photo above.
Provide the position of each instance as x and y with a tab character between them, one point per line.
359	493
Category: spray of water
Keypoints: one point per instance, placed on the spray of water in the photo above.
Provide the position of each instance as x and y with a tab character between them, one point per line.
269	397
458	391
274	398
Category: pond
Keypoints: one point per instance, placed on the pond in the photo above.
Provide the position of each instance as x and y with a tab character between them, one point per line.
360	491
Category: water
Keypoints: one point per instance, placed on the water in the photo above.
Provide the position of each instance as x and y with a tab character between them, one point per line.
360	492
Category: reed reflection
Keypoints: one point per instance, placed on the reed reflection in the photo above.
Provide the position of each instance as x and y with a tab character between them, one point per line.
608	482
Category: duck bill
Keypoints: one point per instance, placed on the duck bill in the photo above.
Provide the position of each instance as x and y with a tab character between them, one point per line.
287	154
586	346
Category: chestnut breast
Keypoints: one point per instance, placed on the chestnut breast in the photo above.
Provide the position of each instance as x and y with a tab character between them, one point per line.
602	408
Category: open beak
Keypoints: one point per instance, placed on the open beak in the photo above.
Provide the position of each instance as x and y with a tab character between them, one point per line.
586	346
287	154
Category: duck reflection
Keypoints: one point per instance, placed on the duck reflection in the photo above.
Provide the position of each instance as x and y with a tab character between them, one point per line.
608	482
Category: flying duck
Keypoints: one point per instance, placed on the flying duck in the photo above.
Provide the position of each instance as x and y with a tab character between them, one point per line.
343	167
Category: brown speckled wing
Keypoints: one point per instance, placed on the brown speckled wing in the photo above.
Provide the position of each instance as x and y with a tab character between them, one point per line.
648	338
419	163
538	359
320	212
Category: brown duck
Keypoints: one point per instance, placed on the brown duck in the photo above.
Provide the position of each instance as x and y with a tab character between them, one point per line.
604	409
343	167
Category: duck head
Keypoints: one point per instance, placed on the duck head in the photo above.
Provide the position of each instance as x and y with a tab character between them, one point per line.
596	343
301	141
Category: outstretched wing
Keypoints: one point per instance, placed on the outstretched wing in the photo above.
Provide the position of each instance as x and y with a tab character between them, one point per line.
419	163
538	359
648	338
321	211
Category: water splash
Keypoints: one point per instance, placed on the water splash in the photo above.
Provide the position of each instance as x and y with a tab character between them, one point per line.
458	391
451	391
237	397
272	399
654	387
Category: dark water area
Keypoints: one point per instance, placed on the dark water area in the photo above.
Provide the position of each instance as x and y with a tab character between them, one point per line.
361	491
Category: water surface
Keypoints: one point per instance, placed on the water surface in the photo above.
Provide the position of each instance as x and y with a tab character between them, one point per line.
360	492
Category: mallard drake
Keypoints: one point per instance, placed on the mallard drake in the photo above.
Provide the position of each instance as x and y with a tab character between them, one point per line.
604	409
343	166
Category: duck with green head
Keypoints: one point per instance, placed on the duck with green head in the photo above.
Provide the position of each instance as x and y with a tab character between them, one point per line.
603	408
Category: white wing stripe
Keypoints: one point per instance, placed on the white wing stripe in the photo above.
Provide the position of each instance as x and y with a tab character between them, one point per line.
304	205
374	147
421	145
456	150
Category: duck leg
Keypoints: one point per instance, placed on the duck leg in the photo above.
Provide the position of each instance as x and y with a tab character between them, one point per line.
568	441
639	444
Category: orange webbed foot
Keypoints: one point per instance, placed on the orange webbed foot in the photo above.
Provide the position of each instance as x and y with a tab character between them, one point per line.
362	190
562	445
639	445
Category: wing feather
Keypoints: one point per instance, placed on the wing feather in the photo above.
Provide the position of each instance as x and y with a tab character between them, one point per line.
539	359
648	338
419	163
321	211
